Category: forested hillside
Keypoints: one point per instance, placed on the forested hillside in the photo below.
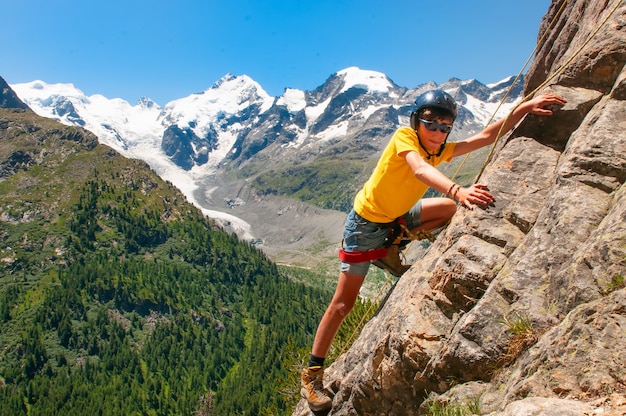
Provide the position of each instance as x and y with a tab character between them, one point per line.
119	297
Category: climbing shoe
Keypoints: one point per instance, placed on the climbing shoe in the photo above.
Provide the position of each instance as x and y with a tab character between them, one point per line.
392	262
313	389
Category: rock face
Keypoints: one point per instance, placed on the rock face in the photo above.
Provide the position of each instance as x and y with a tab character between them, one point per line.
520	308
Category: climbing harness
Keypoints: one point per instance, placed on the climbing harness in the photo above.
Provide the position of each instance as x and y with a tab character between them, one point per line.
397	233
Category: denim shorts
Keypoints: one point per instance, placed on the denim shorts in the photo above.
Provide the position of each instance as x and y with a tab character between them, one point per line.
360	234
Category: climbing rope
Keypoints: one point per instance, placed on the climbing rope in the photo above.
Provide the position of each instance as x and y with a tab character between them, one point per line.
418	234
508	92
557	72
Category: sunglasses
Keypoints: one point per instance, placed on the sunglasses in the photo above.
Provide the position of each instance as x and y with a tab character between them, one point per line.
432	126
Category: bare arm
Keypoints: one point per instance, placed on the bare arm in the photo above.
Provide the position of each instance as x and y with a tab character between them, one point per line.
502	126
475	194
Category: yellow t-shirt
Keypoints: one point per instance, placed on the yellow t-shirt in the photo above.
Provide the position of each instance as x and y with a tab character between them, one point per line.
393	189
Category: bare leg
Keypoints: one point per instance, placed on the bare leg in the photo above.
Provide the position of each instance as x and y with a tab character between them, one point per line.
340	306
436	212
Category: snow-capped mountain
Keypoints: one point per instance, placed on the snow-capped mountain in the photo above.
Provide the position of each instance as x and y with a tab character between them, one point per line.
235	118
235	126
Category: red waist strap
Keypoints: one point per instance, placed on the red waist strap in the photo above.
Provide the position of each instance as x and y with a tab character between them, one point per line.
362	256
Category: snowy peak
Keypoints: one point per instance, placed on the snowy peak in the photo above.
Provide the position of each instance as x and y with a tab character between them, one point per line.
146	102
501	88
491	93
293	99
116	123
483	103
50	100
505	83
228	96
371	81
239	90
201	129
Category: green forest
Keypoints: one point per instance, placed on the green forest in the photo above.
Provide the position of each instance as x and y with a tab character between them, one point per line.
117	297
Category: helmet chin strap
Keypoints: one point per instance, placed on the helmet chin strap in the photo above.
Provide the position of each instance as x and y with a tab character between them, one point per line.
426	150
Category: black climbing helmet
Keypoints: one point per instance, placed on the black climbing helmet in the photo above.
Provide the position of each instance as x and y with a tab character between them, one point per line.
433	98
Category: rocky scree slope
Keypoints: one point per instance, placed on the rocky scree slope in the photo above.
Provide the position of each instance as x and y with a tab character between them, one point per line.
520	308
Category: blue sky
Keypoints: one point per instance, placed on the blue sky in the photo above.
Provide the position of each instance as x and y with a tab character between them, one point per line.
167	50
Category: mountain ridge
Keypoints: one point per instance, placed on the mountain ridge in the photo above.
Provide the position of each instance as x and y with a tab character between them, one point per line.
51	100
230	138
